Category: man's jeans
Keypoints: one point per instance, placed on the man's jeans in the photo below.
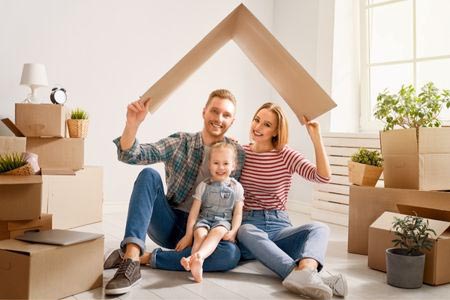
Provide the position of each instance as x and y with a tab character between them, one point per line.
268	236
149	213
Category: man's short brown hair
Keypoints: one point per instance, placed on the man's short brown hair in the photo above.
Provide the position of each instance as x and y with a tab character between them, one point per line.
223	94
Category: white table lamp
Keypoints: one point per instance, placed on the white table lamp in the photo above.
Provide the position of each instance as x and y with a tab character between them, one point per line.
33	75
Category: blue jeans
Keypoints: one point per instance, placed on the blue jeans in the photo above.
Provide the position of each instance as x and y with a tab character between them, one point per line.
150	213
268	236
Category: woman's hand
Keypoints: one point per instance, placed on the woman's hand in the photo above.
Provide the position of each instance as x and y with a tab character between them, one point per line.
313	128
186	241
137	111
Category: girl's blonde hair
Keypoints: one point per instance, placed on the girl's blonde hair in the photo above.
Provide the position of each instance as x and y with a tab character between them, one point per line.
281	139
223	145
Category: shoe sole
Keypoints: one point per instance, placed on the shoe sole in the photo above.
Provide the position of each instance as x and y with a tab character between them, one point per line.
309	291
121	290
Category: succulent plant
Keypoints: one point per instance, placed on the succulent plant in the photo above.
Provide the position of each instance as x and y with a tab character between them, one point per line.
412	233
368	157
79	114
408	110
11	161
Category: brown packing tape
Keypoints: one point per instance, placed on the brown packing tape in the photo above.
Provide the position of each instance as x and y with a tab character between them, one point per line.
302	93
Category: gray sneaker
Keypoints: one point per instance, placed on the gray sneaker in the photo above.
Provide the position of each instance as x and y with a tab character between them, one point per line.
113	260
127	276
337	283
308	283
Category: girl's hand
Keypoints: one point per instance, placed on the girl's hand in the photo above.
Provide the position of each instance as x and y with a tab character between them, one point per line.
230	236
186	241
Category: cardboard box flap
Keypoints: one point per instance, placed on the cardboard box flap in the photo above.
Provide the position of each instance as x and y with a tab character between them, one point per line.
434	140
399	141
302	93
11	179
48	171
24	247
16	225
425	212
12	127
387	218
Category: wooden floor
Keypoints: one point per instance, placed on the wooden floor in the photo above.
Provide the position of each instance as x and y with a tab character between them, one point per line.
250	280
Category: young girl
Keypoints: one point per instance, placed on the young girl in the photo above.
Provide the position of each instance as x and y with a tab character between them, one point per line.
295	254
217	202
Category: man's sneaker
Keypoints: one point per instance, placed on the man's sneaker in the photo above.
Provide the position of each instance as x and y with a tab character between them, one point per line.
308	283
113	260
127	276
337	283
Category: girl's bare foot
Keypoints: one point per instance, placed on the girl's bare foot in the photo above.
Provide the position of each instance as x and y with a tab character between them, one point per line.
185	262
197	267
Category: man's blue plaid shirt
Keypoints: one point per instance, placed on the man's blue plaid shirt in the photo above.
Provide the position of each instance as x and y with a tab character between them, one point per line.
182	155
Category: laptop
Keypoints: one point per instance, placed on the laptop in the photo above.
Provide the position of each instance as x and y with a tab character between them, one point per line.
58	237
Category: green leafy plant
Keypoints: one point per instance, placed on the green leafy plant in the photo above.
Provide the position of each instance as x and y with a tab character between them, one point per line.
368	157
79	114
11	161
408	110
412	233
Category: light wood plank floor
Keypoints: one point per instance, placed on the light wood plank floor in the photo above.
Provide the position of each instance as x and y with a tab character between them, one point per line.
249	280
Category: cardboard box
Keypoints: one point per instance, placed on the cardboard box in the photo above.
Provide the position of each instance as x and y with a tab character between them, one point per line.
302	93
366	204
11	229
20	197
38	271
10	144
437	260
58	153
417	159
37	120
74	200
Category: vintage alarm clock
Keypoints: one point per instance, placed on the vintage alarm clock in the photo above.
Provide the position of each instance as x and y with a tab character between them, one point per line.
58	95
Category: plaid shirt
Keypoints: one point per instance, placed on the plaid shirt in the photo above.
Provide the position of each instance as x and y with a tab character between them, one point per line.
182	155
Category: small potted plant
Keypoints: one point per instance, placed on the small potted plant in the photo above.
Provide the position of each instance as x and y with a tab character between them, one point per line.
405	265
365	167
78	123
15	164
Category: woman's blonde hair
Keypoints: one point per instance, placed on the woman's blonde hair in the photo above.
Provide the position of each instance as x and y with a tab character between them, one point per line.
281	139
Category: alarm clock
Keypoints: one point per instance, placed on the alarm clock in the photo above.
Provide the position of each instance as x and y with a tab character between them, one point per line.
58	95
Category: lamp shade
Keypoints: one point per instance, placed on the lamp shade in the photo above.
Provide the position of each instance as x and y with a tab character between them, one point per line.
34	75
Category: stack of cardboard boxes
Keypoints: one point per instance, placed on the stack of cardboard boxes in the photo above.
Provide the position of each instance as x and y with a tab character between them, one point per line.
417	180
66	195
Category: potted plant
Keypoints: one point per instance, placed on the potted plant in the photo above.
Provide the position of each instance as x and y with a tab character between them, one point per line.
365	167
405	265
410	137
78	123
15	164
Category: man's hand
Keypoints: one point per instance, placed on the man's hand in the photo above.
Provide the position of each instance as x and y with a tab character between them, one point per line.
137	111
230	236
186	241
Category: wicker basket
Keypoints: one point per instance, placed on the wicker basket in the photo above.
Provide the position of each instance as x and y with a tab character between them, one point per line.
77	128
22	171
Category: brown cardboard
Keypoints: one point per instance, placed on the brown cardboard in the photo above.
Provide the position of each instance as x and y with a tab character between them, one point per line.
38	120
74	200
362	174
38	271
10	144
11	229
58	153
417	159
302	93
20	197
366	204
12	127
437	262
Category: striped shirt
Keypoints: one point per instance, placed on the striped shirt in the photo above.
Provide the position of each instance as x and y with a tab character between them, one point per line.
267	177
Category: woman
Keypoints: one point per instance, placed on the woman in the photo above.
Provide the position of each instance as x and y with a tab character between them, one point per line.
296	254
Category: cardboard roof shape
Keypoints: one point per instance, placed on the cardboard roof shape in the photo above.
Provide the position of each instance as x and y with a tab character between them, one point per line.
302	93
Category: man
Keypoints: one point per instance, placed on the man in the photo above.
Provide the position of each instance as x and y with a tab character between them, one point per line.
163	217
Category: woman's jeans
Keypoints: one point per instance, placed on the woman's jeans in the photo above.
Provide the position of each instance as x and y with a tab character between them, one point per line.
268	236
149	213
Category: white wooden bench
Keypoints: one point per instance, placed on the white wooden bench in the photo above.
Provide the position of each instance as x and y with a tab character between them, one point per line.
330	201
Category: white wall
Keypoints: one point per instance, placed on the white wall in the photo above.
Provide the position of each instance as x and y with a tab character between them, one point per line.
107	53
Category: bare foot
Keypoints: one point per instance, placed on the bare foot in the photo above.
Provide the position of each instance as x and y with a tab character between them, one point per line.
197	267
185	262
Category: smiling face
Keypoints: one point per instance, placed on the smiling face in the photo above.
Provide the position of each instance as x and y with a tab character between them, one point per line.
221	163
264	127
218	116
